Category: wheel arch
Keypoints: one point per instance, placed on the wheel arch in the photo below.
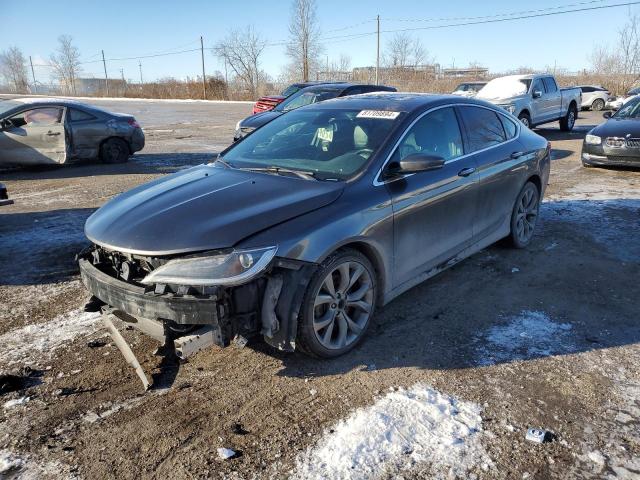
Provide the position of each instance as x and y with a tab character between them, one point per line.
537	181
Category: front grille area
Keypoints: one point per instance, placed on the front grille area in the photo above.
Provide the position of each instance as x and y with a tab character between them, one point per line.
633	142
622	160
615	142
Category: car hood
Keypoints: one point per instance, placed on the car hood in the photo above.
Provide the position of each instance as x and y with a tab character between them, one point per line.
502	100
203	208
618	128
259	119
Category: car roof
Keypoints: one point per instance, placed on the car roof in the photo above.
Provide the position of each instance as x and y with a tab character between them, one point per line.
67	102
396	101
340	86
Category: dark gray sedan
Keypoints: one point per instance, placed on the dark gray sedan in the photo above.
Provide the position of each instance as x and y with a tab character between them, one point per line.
299	231
36	131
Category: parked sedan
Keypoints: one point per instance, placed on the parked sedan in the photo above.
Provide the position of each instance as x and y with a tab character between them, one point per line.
305	96
269	102
594	97
617	141
301	230
55	131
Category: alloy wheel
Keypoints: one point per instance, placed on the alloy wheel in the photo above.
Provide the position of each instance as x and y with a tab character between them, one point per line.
343	305
527	214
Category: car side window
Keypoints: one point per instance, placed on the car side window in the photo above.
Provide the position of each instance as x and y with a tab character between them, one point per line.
76	115
484	128
550	84
437	133
37	117
587	89
510	128
538	86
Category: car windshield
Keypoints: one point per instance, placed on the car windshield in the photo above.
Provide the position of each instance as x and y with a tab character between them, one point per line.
6	105
329	144
290	90
629	110
306	97
505	87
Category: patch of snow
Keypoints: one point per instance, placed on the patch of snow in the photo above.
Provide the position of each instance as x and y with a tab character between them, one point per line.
614	223
527	335
503	87
15	402
405	428
596	457
24	468
35	343
550	247
225	453
9	462
40	98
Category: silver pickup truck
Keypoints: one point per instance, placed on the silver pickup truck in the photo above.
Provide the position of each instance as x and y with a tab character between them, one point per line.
534	99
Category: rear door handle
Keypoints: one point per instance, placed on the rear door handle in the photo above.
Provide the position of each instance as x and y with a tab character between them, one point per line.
515	155
52	134
465	172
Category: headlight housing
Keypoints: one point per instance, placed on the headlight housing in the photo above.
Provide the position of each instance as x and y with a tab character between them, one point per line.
227	269
592	139
511	108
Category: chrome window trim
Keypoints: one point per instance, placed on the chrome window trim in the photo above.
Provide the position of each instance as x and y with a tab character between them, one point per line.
377	182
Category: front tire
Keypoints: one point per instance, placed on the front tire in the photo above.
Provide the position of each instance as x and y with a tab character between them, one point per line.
114	150
525	119
569	120
525	216
597	105
338	305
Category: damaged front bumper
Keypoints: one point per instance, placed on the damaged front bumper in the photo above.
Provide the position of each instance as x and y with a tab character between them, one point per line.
268	305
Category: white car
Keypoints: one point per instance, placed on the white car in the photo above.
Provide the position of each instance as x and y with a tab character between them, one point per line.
594	97
616	103
468	89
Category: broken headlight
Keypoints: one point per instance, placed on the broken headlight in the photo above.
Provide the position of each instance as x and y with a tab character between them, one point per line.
228	269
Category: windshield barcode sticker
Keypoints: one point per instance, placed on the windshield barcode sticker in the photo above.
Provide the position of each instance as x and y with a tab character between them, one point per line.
378	114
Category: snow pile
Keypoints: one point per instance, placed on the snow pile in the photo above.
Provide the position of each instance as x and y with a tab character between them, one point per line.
503	87
528	335
406	428
32	343
16	402
9	463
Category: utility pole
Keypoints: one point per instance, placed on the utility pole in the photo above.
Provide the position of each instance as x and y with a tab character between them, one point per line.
327	74
106	78
140	66
378	52
33	74
204	78
226	81
124	83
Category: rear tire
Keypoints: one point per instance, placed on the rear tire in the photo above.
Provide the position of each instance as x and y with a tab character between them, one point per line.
525	119
338	305
597	105
569	120
114	150
524	216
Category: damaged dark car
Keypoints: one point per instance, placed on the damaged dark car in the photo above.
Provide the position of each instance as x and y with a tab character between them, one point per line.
299	231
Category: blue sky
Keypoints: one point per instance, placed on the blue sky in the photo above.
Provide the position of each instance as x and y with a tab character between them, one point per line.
130	28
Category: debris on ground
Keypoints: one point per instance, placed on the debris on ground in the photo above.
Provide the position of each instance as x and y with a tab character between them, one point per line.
98	343
15	402
515	270
238	429
240	341
12	383
9	463
538	435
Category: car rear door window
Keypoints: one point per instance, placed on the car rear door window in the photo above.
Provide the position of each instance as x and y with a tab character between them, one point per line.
484	128
587	89
437	133
510	128
550	84
76	115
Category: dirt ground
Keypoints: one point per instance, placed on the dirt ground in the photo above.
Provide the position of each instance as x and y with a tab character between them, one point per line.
544	337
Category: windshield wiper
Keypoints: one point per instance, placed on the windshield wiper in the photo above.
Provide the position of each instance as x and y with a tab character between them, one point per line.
279	170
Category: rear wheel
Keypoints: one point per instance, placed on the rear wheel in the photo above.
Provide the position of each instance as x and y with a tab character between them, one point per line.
114	150
569	120
597	105
525	216
525	119
338	305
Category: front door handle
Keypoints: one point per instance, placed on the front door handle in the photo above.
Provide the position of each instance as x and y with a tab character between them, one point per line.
515	155
465	172
52	134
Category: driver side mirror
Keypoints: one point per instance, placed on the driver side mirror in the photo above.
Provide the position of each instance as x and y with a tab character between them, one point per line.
537	93
417	162
607	115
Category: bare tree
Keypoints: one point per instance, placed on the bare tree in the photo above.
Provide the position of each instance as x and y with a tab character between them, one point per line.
403	50
622	63
66	62
304	46
241	49
13	69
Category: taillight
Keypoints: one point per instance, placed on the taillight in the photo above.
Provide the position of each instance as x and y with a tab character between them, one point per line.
133	123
